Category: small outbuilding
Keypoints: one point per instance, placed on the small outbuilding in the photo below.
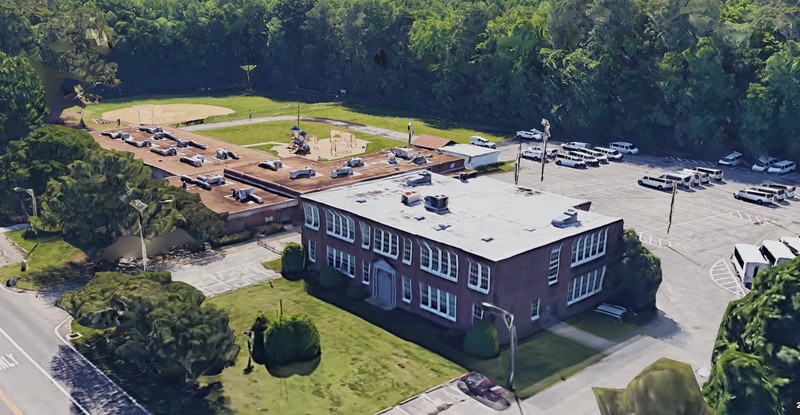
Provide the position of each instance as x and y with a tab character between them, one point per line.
474	156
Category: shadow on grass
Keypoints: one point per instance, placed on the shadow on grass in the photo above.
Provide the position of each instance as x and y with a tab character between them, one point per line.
296	368
159	393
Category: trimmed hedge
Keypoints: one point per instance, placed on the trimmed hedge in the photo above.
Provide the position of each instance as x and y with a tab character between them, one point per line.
292	259
291	339
233	238
330	277
356	292
481	340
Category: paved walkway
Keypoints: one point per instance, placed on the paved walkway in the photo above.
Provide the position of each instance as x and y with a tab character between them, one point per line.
361	128
9	254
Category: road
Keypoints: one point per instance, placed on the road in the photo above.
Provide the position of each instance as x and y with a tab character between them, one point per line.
40	373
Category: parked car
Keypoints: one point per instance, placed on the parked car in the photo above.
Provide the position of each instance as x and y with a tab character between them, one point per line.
575	145
624	147
783	167
715	174
700	177
733	159
763	163
789	190
587	158
532	134
535	153
480	385
656	182
779	194
610	153
754	196
599	155
570	161
480	141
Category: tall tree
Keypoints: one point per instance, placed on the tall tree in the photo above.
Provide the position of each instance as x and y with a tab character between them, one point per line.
22	104
741	385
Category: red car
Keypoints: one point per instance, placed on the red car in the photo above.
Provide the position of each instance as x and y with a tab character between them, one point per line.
481	386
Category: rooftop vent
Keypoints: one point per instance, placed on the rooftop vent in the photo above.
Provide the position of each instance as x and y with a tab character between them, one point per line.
361	200
164	151
342	172
403	152
410	198
392	159
244	195
419	159
305	172
273	165
442	226
486	238
437	203
198	183
420	179
151	130
196	161
419	217
354	162
570	217
212	180
529	228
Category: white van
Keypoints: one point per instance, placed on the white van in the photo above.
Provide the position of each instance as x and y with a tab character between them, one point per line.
570	161
656	182
776	252
624	147
733	159
715	174
792	242
787	189
751	195
611	154
699	176
778	194
480	141
681	179
748	261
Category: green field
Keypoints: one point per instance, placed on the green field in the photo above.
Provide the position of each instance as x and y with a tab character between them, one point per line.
280	131
255	106
48	265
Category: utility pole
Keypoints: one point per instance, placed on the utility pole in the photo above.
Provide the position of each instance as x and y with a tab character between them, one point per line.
410	131
545	136
298	115
517	165
671	207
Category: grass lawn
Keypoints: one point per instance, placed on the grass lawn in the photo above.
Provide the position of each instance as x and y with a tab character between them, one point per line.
280	131
274	265
608	327
258	106
49	264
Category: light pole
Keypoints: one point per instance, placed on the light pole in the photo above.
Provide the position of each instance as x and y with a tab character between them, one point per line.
141	207
24	265
512	330
410	131
545	136
249	367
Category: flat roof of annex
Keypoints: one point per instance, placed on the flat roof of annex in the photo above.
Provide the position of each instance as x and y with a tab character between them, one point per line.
514	219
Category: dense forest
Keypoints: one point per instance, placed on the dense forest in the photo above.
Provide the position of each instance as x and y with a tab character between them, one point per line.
697	76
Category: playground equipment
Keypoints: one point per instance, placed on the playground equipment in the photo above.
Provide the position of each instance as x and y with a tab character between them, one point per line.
299	142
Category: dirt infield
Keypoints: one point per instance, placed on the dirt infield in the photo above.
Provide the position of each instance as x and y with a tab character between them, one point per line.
164	114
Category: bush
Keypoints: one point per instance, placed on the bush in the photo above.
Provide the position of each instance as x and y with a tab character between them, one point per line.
259	327
357	292
292	258
291	339
330	277
481	340
232	238
636	277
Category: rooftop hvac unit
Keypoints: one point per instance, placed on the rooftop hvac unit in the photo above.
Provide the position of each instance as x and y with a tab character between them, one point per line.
410	198
164	151
354	162
212	180
256	199
570	217
273	165
182	143
419	159
187	179
222	154
233	155
243	195
403	152
196	161
159	136
151	130
437	203
306	172
202	184
392	159
116	134
196	144
139	144
343	172
420	179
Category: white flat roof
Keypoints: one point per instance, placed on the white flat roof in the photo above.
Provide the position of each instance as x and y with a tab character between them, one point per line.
468	150
517	219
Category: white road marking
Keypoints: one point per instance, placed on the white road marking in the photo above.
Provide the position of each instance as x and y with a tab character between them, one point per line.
44	372
723	276
8	361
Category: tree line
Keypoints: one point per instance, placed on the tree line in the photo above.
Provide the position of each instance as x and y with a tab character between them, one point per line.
699	76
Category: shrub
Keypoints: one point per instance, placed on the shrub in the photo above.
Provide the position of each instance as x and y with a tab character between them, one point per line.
259	327
292	259
635	278
232	238
357	292
291	339
330	277
481	340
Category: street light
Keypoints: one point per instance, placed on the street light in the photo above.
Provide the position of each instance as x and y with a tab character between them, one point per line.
545	136
24	264
33	198
512	330
141	207
410	131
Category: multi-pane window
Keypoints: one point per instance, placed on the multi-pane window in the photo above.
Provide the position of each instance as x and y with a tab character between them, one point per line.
479	277
477	313
586	285
438	262
406	289
340	226
407	250
439	302
311	214
535	309
342	261
386	243
589	247
552	270
365	238
312	251
365	269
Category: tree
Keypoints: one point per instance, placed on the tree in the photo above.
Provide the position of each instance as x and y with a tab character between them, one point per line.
22	105
635	278
292	258
666	387
157	322
62	43
291	339
741	385
481	339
